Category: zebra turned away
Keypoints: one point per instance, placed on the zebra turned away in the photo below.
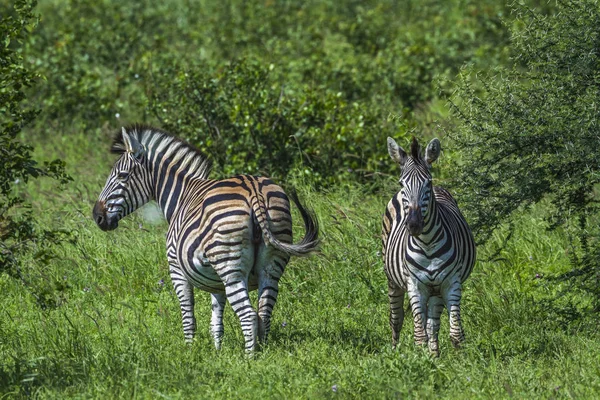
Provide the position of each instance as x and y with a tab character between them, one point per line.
227	237
428	248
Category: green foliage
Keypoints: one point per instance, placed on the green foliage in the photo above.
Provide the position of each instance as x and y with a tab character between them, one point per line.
249	122
382	51
533	132
118	331
322	82
93	55
303	91
18	231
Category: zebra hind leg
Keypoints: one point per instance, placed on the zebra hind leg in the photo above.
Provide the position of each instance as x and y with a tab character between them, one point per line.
216	321
434	311
185	294
236	290
396	297
268	288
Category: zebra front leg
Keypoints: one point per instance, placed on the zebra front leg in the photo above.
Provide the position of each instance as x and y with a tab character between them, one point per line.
418	304
216	321
434	311
268	288
185	294
452	298
396	297
236	290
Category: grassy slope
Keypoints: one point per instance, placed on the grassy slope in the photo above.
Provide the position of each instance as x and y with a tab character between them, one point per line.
117	331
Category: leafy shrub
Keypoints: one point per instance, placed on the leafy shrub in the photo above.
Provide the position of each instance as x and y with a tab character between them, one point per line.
94	54
332	62
387	52
248	122
532	132
18	232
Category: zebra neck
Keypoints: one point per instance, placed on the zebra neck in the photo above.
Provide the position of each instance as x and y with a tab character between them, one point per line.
431	232
169	184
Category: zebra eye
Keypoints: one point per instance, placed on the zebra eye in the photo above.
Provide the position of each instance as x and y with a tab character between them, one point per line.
123	175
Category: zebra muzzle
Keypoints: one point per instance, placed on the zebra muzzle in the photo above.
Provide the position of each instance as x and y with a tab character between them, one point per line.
103	220
414	221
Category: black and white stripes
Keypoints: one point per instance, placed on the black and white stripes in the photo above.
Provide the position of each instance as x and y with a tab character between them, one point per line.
225	236
231	236
428	248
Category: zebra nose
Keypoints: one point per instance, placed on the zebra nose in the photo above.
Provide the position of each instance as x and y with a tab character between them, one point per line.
415	229
100	214
414	221
106	221
99	219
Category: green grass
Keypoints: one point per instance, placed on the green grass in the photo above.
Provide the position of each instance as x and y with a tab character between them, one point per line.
116	331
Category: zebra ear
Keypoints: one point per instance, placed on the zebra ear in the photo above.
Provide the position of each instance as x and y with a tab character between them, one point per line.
432	152
132	145
396	152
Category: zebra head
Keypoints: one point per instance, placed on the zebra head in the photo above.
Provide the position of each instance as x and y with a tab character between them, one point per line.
415	179
128	185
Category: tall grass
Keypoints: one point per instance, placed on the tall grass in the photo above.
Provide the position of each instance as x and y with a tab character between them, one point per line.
115	331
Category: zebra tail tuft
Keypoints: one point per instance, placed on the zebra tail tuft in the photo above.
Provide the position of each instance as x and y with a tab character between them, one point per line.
311	241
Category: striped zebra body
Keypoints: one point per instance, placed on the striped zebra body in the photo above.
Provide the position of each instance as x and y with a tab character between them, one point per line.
428	249
227	237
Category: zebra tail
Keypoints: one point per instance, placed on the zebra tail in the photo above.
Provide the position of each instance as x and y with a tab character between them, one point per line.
309	243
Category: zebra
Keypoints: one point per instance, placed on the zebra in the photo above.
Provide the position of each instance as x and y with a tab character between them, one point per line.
227	237
428	248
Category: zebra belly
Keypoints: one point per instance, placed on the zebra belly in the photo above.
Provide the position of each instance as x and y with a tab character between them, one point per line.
203	276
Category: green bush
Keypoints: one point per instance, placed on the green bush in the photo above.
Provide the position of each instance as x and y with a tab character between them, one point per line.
532	133
335	71
247	121
19	234
94	55
387	52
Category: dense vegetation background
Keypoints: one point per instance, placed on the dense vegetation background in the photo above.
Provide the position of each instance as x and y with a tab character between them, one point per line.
306	92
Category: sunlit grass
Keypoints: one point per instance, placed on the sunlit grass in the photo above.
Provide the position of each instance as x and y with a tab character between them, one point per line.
116	332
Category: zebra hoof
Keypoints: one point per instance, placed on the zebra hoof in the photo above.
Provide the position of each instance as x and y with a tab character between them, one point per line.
434	351
457	342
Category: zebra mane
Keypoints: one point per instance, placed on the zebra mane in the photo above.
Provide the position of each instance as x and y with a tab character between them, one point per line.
415	149
157	141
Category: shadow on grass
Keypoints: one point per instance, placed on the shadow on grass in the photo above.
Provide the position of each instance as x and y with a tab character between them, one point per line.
354	339
23	377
